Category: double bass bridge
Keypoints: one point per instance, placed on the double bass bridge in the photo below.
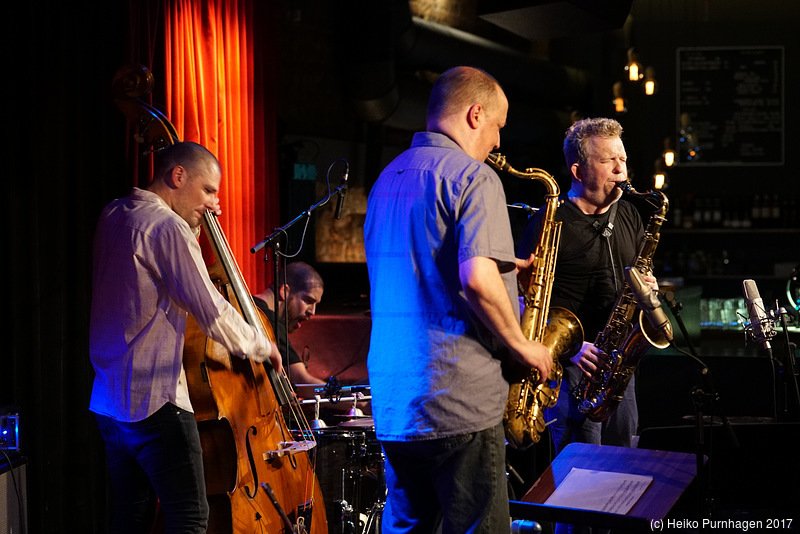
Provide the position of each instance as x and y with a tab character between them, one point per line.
288	448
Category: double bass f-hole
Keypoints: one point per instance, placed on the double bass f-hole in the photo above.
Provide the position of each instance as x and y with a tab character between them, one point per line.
251	459
252	430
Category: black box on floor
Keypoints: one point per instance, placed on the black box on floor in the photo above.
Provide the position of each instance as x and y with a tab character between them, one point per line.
13	493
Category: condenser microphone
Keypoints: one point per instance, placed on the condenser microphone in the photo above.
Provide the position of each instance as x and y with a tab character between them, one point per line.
648	302
761	328
340	201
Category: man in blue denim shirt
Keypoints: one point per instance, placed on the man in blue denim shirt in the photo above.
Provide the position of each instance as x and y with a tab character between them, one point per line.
442	271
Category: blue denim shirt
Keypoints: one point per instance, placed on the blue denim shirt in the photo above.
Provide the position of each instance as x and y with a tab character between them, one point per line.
434	369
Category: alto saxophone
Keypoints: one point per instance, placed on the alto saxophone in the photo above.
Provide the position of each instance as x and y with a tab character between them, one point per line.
557	328
625	338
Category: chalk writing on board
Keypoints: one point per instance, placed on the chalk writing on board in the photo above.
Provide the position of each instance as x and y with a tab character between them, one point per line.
731	106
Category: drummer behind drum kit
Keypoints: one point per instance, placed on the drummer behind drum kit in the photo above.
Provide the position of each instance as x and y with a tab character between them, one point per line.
349	461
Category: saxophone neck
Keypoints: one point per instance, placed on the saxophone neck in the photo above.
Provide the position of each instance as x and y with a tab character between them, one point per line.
498	161
655	198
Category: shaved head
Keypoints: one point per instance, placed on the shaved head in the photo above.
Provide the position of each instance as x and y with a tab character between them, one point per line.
458	89
193	157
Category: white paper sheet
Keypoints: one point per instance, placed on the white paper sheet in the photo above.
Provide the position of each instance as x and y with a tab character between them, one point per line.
600	491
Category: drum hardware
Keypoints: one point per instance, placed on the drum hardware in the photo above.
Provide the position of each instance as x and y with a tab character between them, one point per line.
347	526
342	389
350	467
372	522
332	394
317	422
312	401
349	460
355	411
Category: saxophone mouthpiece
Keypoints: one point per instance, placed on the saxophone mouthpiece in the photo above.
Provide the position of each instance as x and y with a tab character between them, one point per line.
625	186
498	160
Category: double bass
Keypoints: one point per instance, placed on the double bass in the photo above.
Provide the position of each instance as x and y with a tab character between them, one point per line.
258	471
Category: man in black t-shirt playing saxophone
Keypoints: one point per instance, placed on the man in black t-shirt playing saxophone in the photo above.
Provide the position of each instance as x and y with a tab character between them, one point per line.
600	236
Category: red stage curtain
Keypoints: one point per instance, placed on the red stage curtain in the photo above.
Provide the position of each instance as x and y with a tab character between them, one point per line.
216	96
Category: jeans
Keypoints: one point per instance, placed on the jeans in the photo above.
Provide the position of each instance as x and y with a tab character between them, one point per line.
456	483
570	426
157	457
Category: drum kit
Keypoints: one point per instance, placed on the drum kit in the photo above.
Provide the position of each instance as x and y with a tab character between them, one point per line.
349	461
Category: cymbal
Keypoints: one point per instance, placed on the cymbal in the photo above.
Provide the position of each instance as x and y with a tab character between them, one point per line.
360	422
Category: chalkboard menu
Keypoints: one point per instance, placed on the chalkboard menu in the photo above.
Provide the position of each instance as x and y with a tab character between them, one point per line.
731	106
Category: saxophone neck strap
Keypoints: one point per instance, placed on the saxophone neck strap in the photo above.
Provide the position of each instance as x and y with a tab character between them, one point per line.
605	229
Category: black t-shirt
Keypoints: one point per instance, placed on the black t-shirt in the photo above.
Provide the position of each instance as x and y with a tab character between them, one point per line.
284	345
586	280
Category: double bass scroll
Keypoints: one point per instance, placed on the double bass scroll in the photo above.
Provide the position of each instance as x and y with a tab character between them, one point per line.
153	132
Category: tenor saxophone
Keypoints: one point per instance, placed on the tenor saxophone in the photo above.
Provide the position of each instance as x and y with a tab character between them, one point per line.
557	328
625	337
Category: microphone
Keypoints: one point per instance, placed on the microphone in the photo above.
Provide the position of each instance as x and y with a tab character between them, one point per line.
529	210
340	201
647	300
761	327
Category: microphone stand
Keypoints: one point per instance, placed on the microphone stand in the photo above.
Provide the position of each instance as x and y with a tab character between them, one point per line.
272	241
789	366
701	394
272	238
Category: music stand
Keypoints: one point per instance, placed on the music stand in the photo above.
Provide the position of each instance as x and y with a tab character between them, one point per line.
672	473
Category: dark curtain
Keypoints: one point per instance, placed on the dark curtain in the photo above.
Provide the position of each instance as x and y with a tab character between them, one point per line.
66	154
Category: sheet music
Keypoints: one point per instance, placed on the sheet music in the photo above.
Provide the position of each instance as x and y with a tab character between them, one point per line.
600	491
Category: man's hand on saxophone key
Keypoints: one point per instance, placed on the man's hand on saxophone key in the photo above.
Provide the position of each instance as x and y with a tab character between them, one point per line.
589	359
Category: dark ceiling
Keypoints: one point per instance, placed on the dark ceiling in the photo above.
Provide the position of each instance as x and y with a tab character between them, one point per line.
547	19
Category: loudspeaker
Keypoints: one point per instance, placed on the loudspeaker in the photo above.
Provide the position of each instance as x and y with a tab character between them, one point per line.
754	470
13	497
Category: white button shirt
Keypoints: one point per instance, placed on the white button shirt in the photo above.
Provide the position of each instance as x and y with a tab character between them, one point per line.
148	273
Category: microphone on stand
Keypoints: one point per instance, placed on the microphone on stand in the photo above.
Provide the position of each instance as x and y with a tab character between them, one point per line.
648	302
529	210
340	201
761	328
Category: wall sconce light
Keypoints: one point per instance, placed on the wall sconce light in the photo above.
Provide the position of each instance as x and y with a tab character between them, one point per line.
633	67
650	84
619	101
669	153
660	180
